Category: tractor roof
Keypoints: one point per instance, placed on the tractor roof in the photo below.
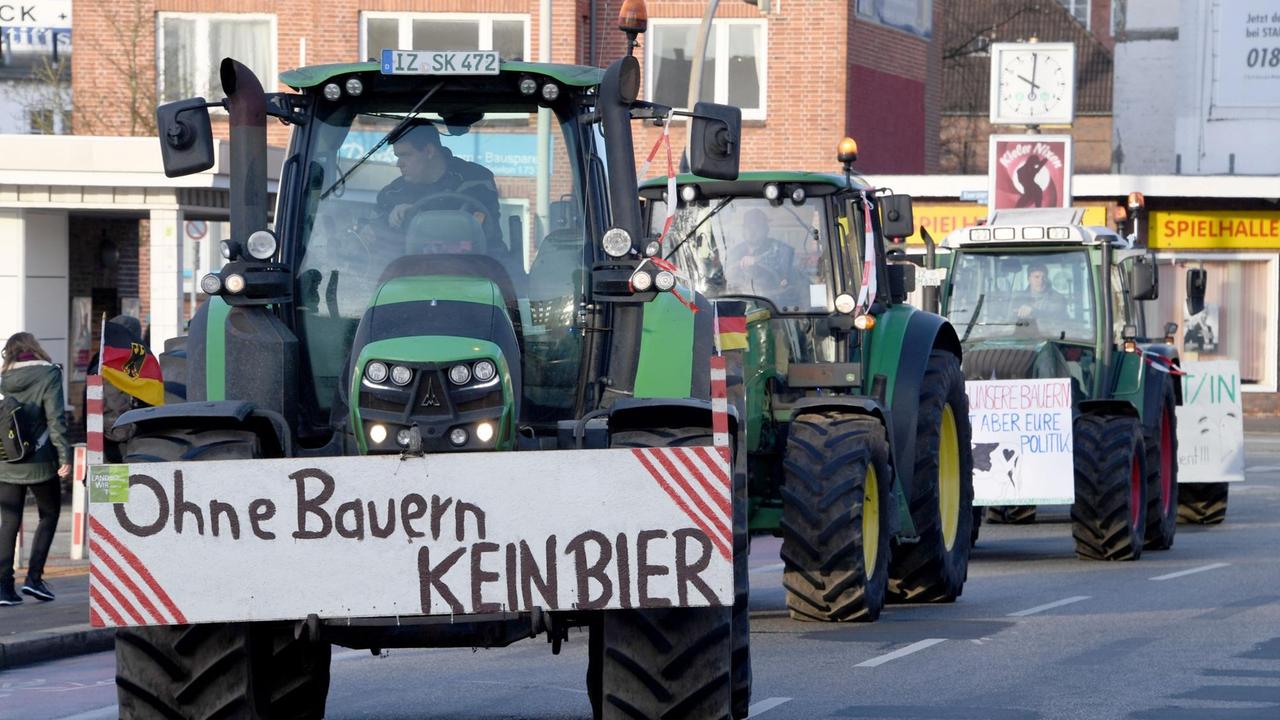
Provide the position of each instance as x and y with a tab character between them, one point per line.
572	75
752	183
1033	228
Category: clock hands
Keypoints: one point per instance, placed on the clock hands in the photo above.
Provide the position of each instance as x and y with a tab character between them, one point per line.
1032	95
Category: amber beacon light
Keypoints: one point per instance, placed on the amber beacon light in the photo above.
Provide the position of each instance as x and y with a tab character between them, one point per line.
633	17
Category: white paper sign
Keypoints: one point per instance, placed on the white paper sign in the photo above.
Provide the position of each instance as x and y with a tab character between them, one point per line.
1022	445
449	534
1210	423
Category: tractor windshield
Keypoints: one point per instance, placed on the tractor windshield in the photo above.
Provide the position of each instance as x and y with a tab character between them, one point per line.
749	246
1034	296
382	183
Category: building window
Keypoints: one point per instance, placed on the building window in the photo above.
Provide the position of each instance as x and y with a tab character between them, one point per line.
910	16
508	34
733	73
191	47
40	121
1079	10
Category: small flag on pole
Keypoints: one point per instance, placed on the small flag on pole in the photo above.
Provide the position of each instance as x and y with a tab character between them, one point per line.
129	366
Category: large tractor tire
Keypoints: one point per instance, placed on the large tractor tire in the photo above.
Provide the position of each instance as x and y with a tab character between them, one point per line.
934	568
835	517
976	528
674	662
173	366
251	670
1109	517
1202	503
1011	514
1161	440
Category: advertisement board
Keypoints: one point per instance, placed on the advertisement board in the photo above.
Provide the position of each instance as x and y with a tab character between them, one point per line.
1247	63
1029	171
1022	444
1213	229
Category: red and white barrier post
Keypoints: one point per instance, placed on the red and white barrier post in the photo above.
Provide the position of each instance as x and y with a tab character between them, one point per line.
79	501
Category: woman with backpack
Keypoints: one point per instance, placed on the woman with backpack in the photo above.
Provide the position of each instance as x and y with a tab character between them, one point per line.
28	376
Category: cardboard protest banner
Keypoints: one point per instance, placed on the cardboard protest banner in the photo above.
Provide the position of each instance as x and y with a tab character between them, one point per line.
1029	171
1210	423
1022	445
448	534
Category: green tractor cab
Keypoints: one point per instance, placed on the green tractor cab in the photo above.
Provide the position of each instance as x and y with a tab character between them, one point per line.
1036	294
854	415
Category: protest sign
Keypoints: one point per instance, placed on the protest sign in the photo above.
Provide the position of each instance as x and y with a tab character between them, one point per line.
1210	423
1022	445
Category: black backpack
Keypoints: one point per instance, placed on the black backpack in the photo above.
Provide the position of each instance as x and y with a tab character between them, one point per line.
16	438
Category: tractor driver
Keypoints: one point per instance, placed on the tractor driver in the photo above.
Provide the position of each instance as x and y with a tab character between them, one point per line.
432	178
1041	302
759	264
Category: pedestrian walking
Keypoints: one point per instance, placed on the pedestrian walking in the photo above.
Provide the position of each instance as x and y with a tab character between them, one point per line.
28	376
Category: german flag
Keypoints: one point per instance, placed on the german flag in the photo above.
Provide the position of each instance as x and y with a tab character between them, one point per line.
129	366
731	325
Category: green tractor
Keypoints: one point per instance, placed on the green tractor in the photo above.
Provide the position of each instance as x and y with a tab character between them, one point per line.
855	419
1036	294
493	313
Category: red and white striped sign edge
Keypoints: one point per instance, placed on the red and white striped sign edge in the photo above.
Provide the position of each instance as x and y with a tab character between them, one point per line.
122	590
93	418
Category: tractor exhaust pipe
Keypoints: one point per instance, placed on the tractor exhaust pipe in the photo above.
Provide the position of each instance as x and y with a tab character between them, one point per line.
247	104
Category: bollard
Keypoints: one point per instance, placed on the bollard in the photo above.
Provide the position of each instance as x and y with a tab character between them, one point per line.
93	431
79	506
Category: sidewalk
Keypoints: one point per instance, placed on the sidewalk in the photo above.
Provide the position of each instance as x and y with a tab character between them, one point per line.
37	631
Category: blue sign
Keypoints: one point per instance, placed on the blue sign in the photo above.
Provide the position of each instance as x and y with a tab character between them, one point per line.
505	154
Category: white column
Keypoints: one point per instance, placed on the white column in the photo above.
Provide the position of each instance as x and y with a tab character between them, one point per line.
166	276
13	257
34	288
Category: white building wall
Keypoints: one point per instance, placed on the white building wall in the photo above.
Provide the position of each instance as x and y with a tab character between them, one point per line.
1146	88
34	278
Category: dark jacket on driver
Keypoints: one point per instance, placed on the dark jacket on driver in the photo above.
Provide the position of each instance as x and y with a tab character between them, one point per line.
467	178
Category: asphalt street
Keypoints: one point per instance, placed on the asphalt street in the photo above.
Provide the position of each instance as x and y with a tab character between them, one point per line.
1192	633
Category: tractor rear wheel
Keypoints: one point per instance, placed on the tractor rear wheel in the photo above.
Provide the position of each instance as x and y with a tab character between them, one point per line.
835	517
674	662
1108	519
1011	514
173	366
1161	440
1203	503
222	669
934	568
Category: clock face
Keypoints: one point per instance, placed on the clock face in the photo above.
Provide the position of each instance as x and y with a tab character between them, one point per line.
1033	85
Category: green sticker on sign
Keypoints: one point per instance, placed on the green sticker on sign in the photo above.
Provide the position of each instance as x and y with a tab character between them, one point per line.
109	484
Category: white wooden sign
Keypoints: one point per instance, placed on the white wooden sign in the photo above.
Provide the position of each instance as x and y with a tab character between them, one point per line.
1210	423
1022	445
449	534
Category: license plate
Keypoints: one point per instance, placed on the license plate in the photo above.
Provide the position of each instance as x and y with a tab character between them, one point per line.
426	62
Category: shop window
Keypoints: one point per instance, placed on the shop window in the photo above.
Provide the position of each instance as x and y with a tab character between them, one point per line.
733	73
190	48
508	34
1239	320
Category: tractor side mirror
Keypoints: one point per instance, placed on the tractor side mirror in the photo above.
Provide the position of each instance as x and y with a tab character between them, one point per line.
1196	279
1145	279
896	220
716	141
186	137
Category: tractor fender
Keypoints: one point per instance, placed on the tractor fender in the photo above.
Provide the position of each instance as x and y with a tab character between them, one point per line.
1107	407
643	413
268	425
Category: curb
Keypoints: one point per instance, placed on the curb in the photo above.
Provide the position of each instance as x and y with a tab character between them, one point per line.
53	644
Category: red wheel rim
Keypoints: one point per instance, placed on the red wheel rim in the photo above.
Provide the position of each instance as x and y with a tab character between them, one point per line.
1166	462
1135	491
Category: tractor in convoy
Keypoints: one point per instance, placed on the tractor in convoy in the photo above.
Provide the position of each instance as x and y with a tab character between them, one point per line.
1036	294
431	300
854	420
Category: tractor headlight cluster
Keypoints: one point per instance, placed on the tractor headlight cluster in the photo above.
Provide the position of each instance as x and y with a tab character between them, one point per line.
401	375
482	371
459	374
234	283
641	281
664	280
262	244
210	284
377	372
616	242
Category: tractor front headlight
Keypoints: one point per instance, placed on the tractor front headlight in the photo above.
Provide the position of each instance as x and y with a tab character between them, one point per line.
401	375
262	244
378	434
484	371
664	280
459	374
616	242
376	372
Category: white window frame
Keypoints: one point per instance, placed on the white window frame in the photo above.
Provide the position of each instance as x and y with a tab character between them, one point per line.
1273	304
718	47
201	49
1088	11
405	27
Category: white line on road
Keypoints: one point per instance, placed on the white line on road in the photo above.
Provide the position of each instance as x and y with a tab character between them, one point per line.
769	568
102	713
902	652
765	705
1262	469
1192	571
1048	606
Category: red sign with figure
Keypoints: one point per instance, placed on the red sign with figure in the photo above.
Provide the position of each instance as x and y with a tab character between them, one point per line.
1029	171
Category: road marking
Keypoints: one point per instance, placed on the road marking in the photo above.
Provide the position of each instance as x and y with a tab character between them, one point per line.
1262	469
1192	571
764	706
102	713
1048	606
902	652
769	568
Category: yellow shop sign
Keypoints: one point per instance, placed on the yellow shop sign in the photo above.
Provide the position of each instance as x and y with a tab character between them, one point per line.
1214	229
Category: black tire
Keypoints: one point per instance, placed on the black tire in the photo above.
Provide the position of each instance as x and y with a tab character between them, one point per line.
1011	514
826	573
1108	519
173	366
672	662
934	568
976	527
1202	503
216	670
1161	440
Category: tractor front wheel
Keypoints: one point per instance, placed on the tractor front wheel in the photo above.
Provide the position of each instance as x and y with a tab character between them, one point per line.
1109	517
835	517
1202	503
